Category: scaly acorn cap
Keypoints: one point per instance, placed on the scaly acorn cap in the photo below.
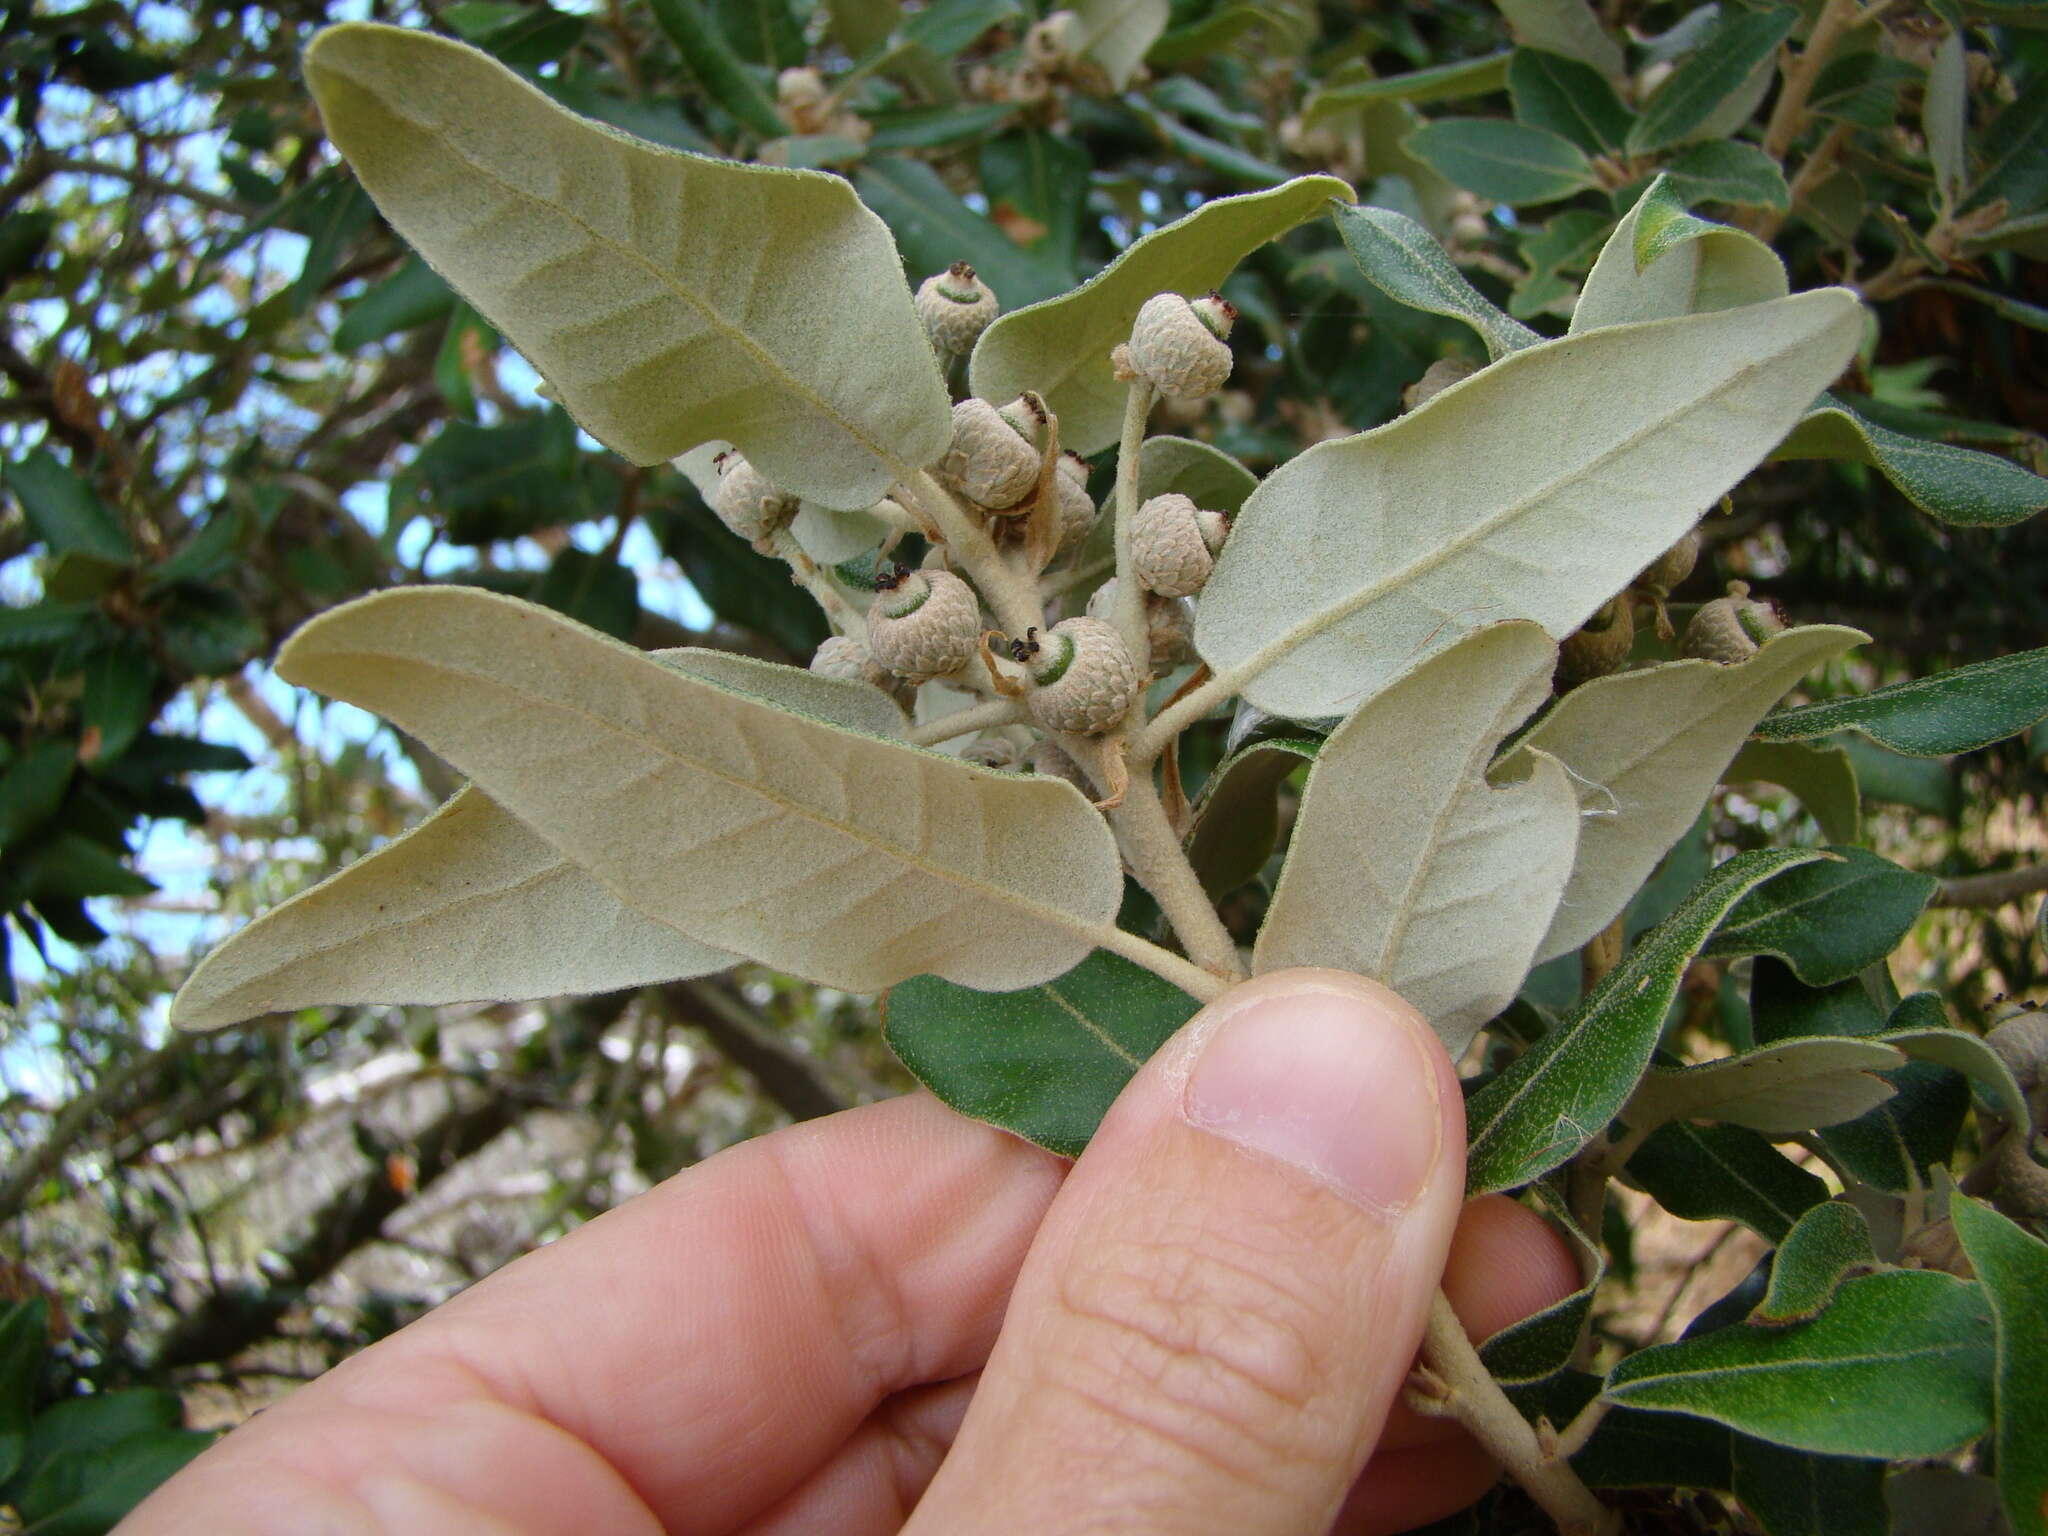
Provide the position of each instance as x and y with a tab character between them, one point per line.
1600	645
988	461
1083	679
747	502
1076	507
924	624
1050	759
1732	628
1174	544
843	656
1181	345
955	307
1169	625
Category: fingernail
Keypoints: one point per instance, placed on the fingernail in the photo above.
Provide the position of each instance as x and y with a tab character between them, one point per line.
1329	1083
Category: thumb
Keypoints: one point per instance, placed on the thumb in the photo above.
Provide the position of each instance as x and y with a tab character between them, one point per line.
1229	1289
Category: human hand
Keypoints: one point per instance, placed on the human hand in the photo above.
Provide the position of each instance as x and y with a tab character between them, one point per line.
1202	1326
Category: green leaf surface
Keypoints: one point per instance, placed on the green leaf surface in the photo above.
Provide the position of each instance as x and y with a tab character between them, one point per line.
1238	165
1199	470
1404	261
1741	42
1955	485
1545	481
33	787
934	229
1529	1357
1796	1493
1832	919
1662	262
1829	1243
86	1493
1633	1449
1415	868
1237	819
592	589
741	825
1117	34
62	510
1645	749
23	1335
411	297
718	68
1728	171
1568	98
1822	776
1042	177
1898	1366
1061	347
503	481
1501	161
2012	1266
1046	1062
948	27
1959	710
1923	783
1440	82
1725	1173
1944	118
41	624
1861	88
644	283
120	682
1561	1093
1569	27
762	31
2017	139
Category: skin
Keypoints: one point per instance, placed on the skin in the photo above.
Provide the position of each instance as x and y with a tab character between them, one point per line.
897	1319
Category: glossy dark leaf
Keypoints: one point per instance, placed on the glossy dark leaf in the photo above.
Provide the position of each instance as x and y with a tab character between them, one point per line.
2018	143
1562	1091
1898	1366
2012	1266
592	589
1728	171
411	297
62	510
719	70
1954	711
934	229
1741	41
23	1330
1046	1062
1795	1493
1404	261
1831	919
1955	485
1237	820
1040	180
119	687
1568	98
1503	162
33	787
1725	1173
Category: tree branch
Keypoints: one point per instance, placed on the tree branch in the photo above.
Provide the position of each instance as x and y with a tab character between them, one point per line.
785	1074
1992	890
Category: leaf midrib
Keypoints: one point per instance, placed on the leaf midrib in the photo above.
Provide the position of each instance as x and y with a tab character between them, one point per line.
1054	916
1319	622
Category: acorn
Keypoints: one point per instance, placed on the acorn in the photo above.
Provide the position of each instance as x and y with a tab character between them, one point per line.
1732	628
1438	377
956	307
842	656
1600	645
1083	678
923	624
1050	759
988	461
1660	578
1051	43
1169	626
1174	544
1075	507
992	752
1180	345
747	502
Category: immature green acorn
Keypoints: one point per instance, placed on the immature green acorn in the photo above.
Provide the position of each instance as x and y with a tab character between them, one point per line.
1599	646
1076	507
1180	345
956	306
1083	678
1732	628
747	502
1169	626
1174	544
988	460
923	624
842	656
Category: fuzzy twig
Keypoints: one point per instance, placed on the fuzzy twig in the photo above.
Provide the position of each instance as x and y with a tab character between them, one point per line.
1011	596
1162	868
976	717
1453	1382
1130	596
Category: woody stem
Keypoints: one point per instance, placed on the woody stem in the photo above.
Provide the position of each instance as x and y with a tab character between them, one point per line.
1156	858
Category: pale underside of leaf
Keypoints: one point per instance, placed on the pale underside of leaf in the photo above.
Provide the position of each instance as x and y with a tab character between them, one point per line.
1406	865
1692	267
667	297
1117	34
474	906
1533	490
1796	1086
470	906
1061	347
1645	749
841	858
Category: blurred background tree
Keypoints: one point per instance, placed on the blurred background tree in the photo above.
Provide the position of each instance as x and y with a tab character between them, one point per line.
233	398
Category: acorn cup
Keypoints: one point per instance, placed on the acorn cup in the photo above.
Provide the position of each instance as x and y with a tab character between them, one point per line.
988	460
1179	346
1083	679
955	307
924	624
748	503
1731	629
1599	646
